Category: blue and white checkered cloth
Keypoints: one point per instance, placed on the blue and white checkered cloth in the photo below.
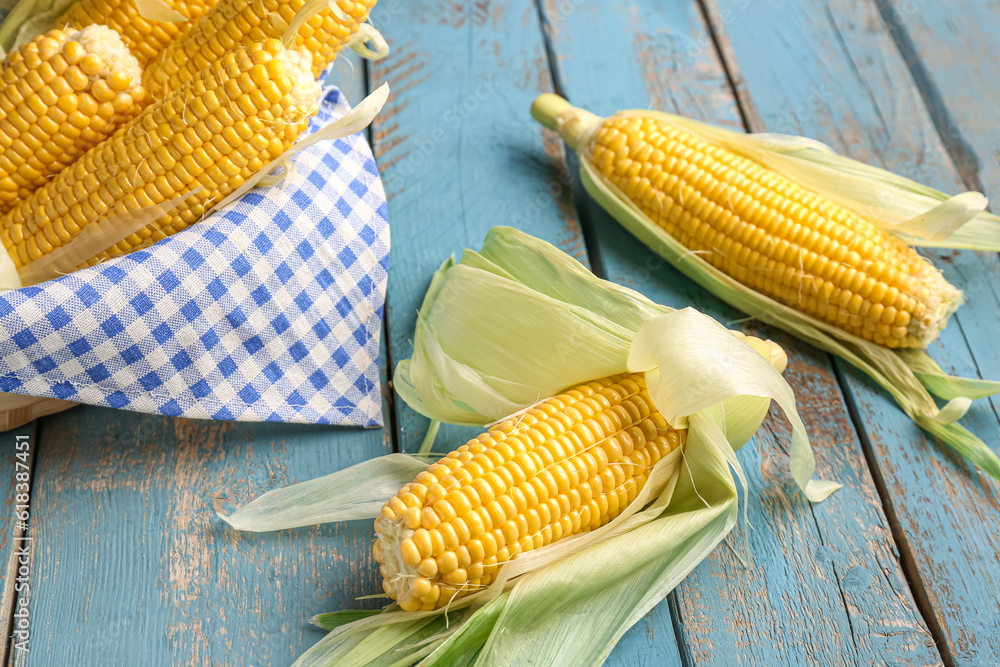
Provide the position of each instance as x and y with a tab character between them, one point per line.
268	310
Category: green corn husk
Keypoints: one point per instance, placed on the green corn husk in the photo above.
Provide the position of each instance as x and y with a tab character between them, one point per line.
509	325
27	18
913	212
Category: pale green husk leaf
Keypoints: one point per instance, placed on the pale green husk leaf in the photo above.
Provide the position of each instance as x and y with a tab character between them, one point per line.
388	639
357	492
9	279
158	10
916	213
333	620
886	367
97	237
468	370
943	385
673	349
28	19
569	603
521	321
369	43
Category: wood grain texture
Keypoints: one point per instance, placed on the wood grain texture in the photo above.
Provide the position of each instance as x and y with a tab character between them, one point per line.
953	58
951	51
17	410
832	72
457	150
831	567
132	566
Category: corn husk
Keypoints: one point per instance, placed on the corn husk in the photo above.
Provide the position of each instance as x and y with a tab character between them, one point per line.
9	278
158	10
913	212
515	323
335	497
27	19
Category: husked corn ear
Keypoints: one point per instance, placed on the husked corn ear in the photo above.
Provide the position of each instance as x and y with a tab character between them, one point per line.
216	131
146	38
61	94
773	235
233	22
568	465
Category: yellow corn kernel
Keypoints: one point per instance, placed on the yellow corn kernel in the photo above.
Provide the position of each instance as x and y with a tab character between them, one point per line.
61	117
428	569
115	177
145	38
773	235
232	22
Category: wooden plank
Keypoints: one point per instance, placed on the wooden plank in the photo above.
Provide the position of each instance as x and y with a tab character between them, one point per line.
131	565
825	584
831	72
457	149
17	410
951	52
12	534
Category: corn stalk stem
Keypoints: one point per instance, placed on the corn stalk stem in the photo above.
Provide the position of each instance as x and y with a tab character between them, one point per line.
557	114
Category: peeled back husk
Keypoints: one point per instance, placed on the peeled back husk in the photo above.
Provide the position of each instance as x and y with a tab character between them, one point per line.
902	373
515	323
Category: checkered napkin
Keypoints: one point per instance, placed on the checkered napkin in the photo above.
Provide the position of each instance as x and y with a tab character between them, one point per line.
268	310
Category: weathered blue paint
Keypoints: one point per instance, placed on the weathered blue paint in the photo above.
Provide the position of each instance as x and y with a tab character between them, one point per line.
813	564
951	51
953	60
831	71
132	566
457	150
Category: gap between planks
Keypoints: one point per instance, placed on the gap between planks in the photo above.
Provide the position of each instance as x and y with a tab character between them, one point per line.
593	250
958	147
753	123
907	561
752	120
388	395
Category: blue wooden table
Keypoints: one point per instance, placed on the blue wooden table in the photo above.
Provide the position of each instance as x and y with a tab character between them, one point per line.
129	564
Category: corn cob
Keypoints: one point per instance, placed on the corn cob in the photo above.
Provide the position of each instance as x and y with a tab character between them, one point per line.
61	94
146	38
763	229
233	22
217	130
567	465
